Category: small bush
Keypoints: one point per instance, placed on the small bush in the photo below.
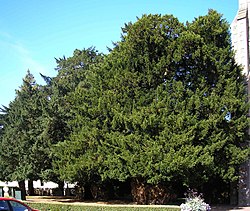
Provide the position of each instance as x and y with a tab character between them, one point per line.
194	202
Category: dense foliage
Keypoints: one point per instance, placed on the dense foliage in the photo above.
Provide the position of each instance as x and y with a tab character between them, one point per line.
167	105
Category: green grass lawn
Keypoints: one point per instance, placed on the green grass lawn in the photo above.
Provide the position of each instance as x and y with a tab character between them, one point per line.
67	207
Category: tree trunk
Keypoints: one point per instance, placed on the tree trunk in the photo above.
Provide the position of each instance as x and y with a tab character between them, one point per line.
61	188
87	192
144	193
21	185
138	191
31	188
79	189
102	191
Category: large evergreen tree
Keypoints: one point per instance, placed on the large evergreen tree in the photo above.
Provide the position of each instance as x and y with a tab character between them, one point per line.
167	104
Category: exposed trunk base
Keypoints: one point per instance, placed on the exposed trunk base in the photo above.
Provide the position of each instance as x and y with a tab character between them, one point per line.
83	191
102	191
21	185
144	193
87	192
61	188
31	191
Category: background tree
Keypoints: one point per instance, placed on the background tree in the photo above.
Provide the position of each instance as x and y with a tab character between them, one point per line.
71	72
22	147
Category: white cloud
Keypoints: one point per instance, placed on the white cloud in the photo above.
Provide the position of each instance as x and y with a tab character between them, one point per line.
27	60
5	35
20	52
16	59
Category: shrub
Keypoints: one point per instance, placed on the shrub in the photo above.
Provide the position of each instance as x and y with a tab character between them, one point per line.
194	202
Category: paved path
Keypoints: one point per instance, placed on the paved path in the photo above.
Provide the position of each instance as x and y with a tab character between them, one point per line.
229	208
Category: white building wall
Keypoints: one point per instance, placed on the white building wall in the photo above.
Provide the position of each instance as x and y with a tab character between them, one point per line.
240	42
240	34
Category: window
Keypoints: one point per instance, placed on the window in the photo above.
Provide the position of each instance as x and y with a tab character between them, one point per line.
4	206
16	206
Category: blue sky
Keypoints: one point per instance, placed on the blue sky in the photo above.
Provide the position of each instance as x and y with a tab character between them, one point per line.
34	32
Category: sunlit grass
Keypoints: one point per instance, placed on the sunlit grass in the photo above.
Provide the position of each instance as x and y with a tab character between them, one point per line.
68	207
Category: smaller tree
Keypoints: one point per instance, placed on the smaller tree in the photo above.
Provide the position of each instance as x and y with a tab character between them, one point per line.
22	148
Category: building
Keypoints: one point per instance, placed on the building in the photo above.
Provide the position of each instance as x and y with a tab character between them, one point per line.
240	41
